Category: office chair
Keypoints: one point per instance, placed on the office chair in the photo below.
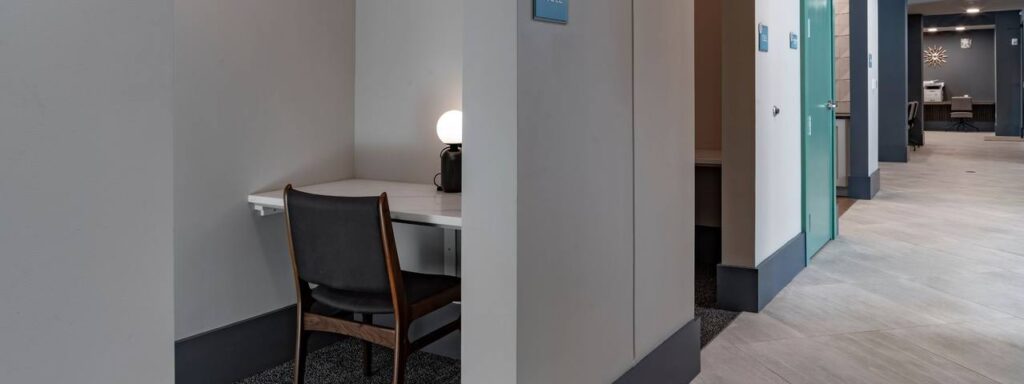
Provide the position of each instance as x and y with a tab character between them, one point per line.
346	246
962	110
915	136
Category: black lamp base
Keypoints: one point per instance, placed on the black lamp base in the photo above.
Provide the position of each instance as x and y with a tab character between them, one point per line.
451	169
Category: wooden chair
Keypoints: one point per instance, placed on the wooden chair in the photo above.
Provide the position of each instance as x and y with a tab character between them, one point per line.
346	246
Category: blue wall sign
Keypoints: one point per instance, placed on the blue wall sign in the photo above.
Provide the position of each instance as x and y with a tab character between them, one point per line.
794	41
762	37
554	11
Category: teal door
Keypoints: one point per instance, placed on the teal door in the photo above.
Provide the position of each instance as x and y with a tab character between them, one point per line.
818	84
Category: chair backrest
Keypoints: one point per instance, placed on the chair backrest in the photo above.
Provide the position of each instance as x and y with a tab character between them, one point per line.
912	111
340	242
962	104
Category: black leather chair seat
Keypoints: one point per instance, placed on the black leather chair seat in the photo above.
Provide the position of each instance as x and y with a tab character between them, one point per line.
418	286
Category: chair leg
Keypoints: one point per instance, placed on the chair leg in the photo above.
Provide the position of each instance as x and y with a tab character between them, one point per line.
367	349
401	358
301	344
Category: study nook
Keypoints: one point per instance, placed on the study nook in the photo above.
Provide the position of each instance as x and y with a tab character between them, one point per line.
335	232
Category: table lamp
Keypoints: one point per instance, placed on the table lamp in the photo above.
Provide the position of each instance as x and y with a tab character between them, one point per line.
449	130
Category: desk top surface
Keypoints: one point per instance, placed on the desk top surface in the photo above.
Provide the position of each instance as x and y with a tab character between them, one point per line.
410	203
708	158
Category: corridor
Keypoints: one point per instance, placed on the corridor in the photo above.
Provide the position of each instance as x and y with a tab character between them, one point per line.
924	285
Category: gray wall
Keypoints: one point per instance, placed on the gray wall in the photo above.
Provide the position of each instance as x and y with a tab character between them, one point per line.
778	162
560	133
266	95
408	72
1008	74
85	159
761	174
263	97
739	148
1007	62
863	90
864	94
575	145
490	279
915	61
664	130
892	80
709	83
968	71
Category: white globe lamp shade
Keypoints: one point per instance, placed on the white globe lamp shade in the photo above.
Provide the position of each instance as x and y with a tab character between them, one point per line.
449	127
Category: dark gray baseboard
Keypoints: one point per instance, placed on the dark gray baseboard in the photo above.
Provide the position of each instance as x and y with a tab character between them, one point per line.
864	188
240	350
751	289
677	360
251	346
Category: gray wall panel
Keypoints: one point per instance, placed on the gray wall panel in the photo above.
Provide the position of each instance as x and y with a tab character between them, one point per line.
892	80
575	194
86	128
967	71
263	95
1008	74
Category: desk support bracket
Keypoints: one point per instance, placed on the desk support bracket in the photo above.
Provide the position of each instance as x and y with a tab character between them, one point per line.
265	211
451	252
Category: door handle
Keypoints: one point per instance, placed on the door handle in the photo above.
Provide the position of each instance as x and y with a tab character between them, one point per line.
831	105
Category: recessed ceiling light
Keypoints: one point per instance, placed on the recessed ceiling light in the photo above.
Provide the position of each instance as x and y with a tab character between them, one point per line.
973	10
961	28
933	29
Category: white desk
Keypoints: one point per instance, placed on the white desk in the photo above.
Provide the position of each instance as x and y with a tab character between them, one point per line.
708	158
417	204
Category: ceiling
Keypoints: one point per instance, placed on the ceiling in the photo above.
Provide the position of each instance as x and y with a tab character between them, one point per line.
945	7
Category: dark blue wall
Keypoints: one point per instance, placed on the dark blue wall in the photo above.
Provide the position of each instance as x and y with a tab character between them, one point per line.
1007	59
858	97
860	176
1008	74
940	21
892	80
967	71
915	71
915	57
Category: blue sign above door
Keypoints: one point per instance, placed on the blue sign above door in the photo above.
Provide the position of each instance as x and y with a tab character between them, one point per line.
554	11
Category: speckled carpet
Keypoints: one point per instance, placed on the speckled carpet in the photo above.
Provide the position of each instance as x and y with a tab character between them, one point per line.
340	363
712	320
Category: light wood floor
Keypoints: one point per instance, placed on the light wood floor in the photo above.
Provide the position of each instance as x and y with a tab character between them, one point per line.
924	285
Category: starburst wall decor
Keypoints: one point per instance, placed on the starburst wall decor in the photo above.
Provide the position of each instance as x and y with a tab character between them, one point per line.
935	56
